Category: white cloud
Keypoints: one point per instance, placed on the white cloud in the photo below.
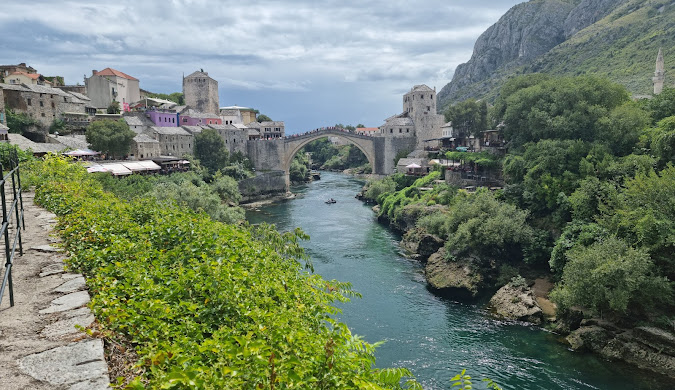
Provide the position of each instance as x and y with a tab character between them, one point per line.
260	47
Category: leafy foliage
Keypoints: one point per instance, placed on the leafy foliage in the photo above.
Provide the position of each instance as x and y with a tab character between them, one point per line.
196	297
110	137
468	117
610	276
560	108
19	122
210	150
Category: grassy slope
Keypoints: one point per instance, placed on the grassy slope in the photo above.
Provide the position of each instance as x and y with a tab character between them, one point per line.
622	46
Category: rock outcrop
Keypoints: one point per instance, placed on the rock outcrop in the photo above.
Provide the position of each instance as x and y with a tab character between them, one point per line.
452	277
420	245
517	302
646	347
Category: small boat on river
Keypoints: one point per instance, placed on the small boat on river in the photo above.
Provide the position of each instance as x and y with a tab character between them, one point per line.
331	201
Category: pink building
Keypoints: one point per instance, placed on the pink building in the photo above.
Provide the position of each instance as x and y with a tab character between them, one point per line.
163	118
194	118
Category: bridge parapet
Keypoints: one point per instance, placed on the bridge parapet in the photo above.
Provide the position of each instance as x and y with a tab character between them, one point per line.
326	131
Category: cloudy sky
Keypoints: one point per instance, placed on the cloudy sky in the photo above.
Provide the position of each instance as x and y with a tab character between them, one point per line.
310	63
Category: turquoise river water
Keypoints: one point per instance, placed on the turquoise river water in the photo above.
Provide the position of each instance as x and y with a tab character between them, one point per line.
433	336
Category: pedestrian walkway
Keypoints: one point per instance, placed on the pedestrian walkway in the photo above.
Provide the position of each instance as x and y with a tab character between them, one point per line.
40	346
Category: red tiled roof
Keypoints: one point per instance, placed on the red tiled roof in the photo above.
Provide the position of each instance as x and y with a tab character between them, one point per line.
33	76
113	72
367	129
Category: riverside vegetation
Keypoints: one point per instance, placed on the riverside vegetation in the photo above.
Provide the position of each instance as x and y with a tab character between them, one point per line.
589	202
193	297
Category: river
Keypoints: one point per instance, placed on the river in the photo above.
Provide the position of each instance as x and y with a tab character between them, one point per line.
432	336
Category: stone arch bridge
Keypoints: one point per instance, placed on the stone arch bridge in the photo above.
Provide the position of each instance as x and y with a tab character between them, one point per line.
277	154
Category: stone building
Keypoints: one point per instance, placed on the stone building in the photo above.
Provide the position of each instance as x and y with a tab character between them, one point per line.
659	74
19	77
235	138
201	93
419	118
22	67
271	129
144	147
192	117
235	113
42	103
109	84
173	141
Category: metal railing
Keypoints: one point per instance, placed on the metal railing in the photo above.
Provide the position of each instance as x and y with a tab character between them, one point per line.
12	217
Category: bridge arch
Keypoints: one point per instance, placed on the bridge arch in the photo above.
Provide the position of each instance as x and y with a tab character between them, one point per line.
294	144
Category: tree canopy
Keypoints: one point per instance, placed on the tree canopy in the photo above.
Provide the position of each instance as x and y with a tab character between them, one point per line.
210	150
468	117
110	137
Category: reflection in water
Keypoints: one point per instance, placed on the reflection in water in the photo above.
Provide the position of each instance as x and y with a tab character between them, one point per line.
433	336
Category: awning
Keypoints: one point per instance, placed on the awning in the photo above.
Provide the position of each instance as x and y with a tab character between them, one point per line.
413	165
96	168
117	169
81	152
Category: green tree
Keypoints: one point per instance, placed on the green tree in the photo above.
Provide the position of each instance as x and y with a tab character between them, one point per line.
468	117
299	170
19	122
620	130
662	141
610	277
263	118
560	108
210	150
58	125
113	138
662	105
114	107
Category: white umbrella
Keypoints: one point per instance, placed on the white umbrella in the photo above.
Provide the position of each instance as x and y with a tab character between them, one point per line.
413	165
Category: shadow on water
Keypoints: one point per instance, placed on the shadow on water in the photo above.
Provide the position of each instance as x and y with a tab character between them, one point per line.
432	335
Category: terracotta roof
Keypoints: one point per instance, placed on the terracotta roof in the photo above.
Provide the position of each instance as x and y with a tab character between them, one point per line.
367	129
113	72
33	76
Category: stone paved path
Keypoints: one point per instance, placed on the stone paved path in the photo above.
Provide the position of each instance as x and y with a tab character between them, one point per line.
40	347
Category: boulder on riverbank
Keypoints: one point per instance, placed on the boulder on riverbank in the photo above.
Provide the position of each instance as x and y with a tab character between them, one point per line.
453	277
516	301
420	245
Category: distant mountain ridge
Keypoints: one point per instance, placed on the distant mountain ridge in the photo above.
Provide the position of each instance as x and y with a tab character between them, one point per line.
618	39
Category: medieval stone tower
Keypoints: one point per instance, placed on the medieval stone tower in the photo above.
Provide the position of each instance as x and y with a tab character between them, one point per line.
420	105
659	74
201	92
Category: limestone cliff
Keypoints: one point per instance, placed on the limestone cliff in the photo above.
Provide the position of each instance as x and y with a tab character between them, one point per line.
523	35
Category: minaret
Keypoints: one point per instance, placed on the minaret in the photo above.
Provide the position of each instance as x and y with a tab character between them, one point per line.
659	74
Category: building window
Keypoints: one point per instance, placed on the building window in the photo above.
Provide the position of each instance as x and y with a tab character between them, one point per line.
391	131
65	100
42	114
184	120
28	101
428	108
407	130
400	130
421	96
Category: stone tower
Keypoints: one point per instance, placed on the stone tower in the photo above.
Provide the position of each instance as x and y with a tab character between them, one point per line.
420	105
201	92
659	74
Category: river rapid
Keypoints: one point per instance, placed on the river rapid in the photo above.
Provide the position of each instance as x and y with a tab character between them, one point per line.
433	336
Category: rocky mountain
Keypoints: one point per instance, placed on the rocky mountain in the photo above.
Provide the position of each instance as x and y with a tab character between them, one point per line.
618	39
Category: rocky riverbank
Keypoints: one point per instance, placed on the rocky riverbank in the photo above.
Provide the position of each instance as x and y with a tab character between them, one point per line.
526	300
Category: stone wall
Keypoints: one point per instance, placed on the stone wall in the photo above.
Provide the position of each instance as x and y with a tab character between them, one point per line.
266	155
386	149
264	184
